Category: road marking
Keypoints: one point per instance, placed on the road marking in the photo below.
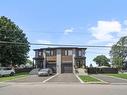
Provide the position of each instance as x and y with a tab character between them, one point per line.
81	81
50	78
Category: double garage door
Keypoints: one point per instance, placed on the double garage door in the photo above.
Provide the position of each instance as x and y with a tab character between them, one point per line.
66	68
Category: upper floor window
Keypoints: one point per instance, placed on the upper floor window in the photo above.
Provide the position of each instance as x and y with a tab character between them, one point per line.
47	53
36	53
69	52
39	53
51	52
83	53
65	52
79	53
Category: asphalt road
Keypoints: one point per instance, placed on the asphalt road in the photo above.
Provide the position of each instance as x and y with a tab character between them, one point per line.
109	79
62	89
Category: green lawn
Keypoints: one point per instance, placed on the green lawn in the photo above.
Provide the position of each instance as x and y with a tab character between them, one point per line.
124	76
88	78
18	75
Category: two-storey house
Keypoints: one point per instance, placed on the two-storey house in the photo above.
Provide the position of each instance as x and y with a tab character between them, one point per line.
60	59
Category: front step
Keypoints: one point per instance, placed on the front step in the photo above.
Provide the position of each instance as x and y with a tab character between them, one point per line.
81	71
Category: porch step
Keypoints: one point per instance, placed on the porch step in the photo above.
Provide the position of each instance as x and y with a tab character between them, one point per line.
81	71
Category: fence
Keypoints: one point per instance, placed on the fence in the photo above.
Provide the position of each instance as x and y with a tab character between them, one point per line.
102	70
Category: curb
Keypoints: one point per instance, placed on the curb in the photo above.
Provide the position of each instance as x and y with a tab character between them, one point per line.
81	81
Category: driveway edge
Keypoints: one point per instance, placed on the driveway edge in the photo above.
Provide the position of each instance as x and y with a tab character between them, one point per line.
50	78
81	81
116	77
101	81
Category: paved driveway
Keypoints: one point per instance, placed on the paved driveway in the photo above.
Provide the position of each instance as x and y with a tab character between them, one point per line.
31	78
109	79
65	77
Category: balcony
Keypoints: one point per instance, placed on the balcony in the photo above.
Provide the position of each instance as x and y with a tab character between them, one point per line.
51	58
66	59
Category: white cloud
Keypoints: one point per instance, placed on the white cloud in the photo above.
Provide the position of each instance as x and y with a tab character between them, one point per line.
68	30
122	33
106	33
104	29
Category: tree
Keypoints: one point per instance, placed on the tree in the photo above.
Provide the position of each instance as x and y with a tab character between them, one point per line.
29	61
101	60
118	52
12	54
117	62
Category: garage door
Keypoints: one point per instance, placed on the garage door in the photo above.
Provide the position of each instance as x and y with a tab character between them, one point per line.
66	68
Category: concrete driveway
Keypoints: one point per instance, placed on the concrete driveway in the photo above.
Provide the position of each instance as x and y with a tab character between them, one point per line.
109	79
31	78
65	78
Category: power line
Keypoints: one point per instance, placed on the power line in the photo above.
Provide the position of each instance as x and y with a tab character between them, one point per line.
61	45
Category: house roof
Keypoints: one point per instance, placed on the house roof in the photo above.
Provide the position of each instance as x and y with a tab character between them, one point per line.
59	48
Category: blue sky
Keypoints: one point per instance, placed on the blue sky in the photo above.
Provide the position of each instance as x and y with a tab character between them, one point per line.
86	22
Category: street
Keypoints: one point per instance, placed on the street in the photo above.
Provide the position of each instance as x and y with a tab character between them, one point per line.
62	89
62	84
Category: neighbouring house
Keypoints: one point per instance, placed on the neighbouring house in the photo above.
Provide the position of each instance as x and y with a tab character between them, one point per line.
60	59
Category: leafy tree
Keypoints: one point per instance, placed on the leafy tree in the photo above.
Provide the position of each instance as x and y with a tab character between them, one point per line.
118	52
12	53
101	60
29	61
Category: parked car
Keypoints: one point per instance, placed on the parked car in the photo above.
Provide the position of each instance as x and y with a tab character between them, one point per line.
46	71
7	71
34	71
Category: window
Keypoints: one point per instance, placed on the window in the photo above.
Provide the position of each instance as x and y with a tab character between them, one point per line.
83	53
79	53
52	53
36	53
7	69
65	52
48	53
39	53
69	52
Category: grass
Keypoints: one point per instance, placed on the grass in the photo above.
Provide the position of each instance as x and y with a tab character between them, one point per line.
18	75
88	78
124	76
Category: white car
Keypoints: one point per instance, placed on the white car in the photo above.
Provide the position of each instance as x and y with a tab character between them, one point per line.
7	71
46	71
